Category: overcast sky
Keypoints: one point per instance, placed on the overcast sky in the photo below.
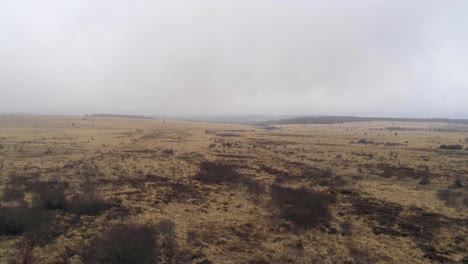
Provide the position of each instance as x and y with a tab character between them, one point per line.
372	58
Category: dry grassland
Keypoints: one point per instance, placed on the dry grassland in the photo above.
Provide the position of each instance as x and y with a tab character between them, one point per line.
211	193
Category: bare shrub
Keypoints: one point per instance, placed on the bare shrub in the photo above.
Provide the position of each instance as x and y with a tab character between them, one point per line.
87	205
457	183
134	243
425	180
453	198
303	207
23	180
346	228
12	194
365	141
25	253
49	195
34	224
336	181
361	256
259	259
123	244
118	213
168	152
218	173
452	147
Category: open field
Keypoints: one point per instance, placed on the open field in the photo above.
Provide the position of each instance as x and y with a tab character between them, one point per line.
212	193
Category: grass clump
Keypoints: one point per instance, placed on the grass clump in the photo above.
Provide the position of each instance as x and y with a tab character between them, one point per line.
87	205
217	173
36	225
451	147
123	244
49	195
301	206
11	194
133	243
453	198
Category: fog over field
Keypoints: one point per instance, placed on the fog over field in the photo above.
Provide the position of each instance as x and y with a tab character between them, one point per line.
370	58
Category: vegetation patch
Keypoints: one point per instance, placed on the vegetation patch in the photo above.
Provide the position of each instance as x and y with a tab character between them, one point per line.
220	173
87	205
451	147
453	198
36	225
134	243
304	208
12	194
49	195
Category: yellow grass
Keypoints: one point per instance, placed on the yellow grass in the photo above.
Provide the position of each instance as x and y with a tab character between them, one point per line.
230	225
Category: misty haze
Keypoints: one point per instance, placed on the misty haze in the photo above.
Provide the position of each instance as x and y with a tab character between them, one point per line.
301	131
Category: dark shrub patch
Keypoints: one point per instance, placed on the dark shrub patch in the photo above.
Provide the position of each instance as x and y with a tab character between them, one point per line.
123	244
336	181
25	253
453	147
18	181
217	173
168	152
49	195
302	207
457	183
384	213
453	198
399	171
12	194
87	205
118	213
365	141
136	244
35	224
425	180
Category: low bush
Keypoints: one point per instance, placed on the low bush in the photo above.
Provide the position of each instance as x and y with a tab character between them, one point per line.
457	183
12	195
336	181
87	205
134	243
453	198
49	195
123	244
303	207
452	147
168	152
425	180
36	225
26	253
219	173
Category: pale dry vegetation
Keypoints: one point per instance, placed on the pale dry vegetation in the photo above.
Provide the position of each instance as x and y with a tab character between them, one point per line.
76	190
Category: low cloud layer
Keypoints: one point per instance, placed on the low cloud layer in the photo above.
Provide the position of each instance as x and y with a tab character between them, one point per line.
372	58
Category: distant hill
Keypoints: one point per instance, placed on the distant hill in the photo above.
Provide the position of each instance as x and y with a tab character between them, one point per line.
121	116
345	119
229	119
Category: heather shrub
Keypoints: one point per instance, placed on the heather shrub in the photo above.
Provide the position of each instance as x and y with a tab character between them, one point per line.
301	206
87	205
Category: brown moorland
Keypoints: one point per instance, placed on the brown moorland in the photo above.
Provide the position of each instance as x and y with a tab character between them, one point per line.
115	190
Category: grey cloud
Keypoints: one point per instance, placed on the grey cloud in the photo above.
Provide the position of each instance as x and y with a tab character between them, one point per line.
374	57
